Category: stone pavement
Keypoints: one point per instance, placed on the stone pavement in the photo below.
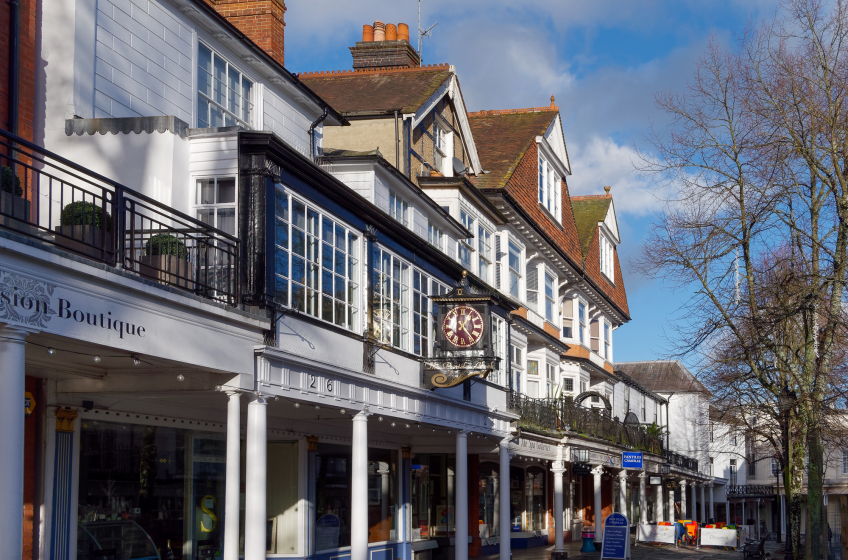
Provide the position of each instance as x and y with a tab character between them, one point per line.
643	552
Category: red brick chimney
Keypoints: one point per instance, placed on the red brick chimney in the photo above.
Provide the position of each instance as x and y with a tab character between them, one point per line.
384	45
261	20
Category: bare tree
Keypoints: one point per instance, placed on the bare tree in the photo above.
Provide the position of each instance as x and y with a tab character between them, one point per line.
756	161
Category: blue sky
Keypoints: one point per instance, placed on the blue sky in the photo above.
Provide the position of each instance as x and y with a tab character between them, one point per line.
602	60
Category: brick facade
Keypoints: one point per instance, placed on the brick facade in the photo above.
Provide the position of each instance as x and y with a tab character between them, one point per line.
523	186
26	81
261	20
384	54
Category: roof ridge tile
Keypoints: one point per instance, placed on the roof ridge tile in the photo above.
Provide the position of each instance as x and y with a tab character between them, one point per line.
361	71
591	197
498	112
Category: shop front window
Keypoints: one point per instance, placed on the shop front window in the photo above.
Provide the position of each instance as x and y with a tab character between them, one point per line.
489	501
333	495
535	499
516	499
150	492
432	496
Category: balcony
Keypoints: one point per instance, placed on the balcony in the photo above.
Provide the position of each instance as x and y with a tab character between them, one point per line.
750	491
682	461
57	202
561	415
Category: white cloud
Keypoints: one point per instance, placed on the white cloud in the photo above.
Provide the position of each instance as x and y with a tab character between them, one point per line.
602	162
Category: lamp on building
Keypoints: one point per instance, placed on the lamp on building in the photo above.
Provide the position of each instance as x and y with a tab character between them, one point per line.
665	468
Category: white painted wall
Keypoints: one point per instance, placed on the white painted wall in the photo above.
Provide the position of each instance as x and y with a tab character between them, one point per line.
282	118
155	164
143	61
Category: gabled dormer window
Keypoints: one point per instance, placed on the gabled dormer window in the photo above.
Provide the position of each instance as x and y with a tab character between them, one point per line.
607	255
550	190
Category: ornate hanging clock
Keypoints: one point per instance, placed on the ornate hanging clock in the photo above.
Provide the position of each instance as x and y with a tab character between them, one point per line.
464	346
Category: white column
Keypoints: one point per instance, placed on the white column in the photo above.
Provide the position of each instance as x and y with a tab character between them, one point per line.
712	503
383	471
232	484
461	552
505	552
672	515
703	506
571	485
359	488
660	505
599	518
682	499
255	480
12	368
695	502
643	498
622	492
558	468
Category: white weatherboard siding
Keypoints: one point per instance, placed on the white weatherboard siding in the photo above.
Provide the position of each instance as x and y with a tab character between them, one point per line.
213	156
143	61
360	181
281	118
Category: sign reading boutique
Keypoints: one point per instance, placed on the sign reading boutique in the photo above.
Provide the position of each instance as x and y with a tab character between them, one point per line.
29	301
125	320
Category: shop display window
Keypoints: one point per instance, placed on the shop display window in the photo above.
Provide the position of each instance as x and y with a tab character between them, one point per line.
333	495
432	496
150	492
489	501
535	499
516	499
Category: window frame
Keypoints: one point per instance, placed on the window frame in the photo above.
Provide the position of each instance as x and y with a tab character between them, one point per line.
484	252
607	329
582	309
467	219
353	287
198	206
394	200
247	121
511	271
550	299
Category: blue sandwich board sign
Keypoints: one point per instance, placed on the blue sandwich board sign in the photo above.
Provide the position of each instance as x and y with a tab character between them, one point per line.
616	537
631	460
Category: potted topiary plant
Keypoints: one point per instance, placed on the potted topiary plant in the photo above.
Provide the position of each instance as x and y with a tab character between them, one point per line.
166	259
14	208
84	228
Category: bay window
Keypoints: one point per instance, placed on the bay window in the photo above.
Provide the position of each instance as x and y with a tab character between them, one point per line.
484	249
514	269
224	95
398	208
499	346
581	319
391	295
466	248
434	236
424	314
316	262
550	281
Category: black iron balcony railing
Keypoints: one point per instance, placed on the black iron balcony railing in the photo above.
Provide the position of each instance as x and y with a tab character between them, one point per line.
750	490
682	461
59	202
563	414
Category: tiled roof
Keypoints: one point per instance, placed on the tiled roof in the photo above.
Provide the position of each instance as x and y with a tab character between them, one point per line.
588	211
382	89
503	137
666	376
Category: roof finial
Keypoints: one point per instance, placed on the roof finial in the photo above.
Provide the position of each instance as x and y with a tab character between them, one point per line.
607	189
552	102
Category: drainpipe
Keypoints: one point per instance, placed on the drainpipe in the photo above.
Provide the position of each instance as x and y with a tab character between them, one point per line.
315	123
14	63
397	150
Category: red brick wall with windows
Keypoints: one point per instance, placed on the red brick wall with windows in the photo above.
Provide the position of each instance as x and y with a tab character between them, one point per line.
261	20
523	186
26	76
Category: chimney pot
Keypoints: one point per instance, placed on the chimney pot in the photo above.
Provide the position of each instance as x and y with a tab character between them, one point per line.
403	32
391	32
552	101
607	189
367	33
379	31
